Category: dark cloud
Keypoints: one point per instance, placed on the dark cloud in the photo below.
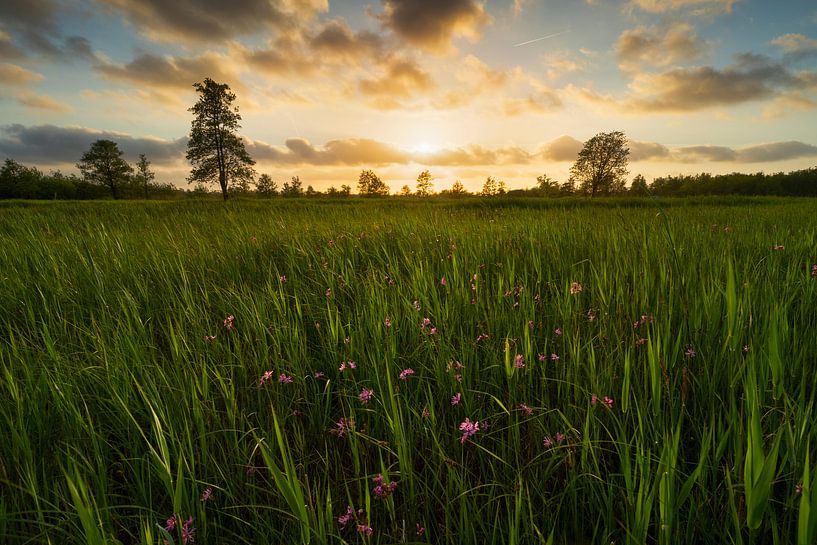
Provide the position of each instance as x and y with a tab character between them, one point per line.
34	22
8	50
207	20
337	41
653	46
52	145
777	151
175	73
694	154
750	78
432	24
796	46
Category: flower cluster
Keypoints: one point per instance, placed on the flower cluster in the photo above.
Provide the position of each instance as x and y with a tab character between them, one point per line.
229	323
606	401
344	425
344	365
575	288
366	395
382	489
359	518
188	532
406	373
468	429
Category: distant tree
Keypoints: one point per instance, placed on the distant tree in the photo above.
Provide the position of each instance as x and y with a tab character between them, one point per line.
547	185
370	184
294	189
144	176
567	188
214	148
345	190
639	185
103	165
458	189
310	191
424	186
492	188
242	186
601	167
405	191
332	191
265	186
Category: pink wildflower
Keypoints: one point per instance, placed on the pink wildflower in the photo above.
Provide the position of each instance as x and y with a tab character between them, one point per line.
319	375
745	348
282	279
188	532
433	331
525	409
575	288
541	357
609	402
468	429
641	342
344	365
207	494
426	322
209	338
778	247
366	395
530	324
266	377
519	362
594	399
420	529
591	315
416	305
481	337
554	357
443	282
347	517
406	373
329	292
814	271
387	322
456	398
283	378
344	425
229	323
558	331
170	524
426	413
559	437
365	529
547	442
690	352
383	489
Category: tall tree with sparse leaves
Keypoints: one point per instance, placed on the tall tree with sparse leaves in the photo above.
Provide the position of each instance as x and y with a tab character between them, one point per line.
143	173
370	184
424	186
214	148
601	168
103	165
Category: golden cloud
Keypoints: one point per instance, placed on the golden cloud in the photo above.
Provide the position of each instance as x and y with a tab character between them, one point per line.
11	74
42	102
659	47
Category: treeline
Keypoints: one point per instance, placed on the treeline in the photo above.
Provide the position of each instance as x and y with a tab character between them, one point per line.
18	181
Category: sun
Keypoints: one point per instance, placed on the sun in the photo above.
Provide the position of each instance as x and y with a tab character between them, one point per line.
425	147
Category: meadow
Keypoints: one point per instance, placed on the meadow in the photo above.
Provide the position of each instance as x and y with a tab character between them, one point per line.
491	371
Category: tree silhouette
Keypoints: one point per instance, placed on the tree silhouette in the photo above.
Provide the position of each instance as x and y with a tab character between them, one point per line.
370	184
492	188
103	165
143	173
601	167
294	189
424	187
265	186
214	148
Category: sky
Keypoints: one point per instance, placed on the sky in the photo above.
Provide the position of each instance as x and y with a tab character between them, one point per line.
464	88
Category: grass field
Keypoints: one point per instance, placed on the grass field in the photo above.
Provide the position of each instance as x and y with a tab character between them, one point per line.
638	374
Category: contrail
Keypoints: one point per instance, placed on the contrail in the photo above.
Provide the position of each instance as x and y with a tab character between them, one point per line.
542	38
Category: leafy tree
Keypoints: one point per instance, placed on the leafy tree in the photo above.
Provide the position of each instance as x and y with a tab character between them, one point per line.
601	167
345	190
458	189
547	185
424	186
265	186
294	189
214	148
405	191
103	165
310	192
639	185
143	173
370	184
492	188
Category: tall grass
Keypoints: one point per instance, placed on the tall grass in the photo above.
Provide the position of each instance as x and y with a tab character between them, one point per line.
639	374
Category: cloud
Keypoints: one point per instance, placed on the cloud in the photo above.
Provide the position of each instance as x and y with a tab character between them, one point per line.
796	46
53	145
9	51
659	47
750	78
157	73
208	20
564	148
403	79
540	102
34	21
646	151
284	56
336	41
433	24
42	102
760	153
11	74
700	7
